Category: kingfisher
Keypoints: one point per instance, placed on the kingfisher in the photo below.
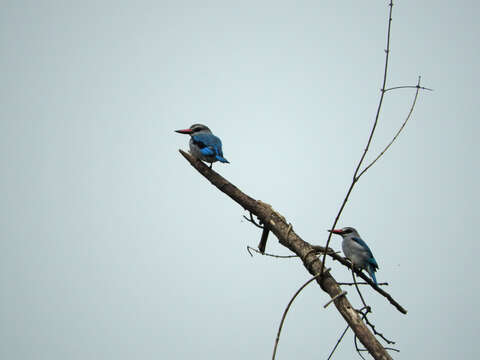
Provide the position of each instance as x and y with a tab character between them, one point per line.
203	144
357	251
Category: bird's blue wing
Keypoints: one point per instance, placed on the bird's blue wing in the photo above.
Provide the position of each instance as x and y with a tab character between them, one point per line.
209	144
363	244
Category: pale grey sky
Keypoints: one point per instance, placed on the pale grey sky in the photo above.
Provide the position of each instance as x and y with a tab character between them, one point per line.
113	247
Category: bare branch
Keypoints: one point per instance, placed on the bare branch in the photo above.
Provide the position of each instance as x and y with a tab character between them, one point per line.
288	238
408	87
398	132
358	290
338	342
379	334
360	283
286	311
356	347
372	131
249	248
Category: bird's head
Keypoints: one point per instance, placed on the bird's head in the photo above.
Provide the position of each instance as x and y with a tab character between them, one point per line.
345	232
195	129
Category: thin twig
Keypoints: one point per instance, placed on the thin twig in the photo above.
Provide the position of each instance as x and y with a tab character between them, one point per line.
377	333
286	311
249	249
343	293
408	87
356	347
338	342
360	283
358	290
364	317
252	220
398	132
386	348
372	131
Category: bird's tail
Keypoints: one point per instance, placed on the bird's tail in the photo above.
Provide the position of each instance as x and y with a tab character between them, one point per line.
371	272
222	159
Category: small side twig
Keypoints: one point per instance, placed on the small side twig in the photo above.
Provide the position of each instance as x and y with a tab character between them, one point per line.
360	283
358	290
372	132
367	309
286	311
398	132
338	343
356	347
252	220
408	87
364	315
343	293
365	318
390	342
250	249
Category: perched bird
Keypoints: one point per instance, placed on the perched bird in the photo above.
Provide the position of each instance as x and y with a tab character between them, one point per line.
203	144
357	251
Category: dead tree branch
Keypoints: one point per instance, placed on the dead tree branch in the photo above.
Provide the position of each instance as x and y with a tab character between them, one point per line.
288	238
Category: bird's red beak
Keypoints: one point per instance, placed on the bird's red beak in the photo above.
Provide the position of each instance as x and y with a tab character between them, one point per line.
336	231
184	131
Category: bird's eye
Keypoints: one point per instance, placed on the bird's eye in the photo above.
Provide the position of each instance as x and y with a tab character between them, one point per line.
347	231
